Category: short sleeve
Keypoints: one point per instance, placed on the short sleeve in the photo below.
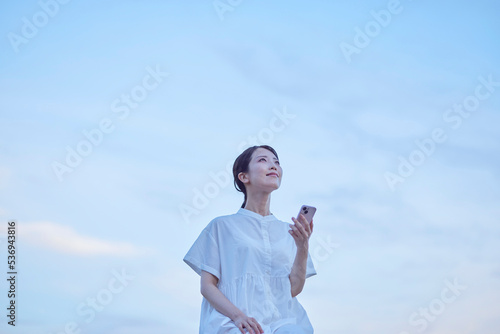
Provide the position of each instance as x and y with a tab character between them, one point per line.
204	254
310	270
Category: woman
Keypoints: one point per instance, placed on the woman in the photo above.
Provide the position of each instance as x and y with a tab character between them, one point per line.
252	265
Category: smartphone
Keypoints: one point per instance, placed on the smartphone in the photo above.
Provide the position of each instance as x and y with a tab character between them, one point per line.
308	211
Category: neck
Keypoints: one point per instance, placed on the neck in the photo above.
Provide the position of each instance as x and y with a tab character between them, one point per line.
259	203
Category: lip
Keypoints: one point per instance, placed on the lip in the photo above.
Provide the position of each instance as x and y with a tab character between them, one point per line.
272	174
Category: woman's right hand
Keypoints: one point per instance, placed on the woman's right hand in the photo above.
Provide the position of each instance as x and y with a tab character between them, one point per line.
249	323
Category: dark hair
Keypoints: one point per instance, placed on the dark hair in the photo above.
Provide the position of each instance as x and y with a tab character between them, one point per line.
241	166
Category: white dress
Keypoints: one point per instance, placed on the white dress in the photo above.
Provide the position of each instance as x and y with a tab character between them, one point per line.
252	256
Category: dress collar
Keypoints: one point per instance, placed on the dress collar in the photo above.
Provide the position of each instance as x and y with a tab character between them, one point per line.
246	212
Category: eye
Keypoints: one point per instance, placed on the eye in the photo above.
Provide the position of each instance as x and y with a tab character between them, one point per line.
262	159
277	162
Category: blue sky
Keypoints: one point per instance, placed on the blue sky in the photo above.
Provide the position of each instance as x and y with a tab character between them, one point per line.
170	94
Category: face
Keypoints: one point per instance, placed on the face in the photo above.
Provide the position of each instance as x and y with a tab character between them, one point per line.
264	171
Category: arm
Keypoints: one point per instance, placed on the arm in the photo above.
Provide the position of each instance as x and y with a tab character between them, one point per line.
300	231
216	298
298	273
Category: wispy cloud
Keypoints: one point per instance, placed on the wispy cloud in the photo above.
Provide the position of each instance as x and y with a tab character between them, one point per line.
65	239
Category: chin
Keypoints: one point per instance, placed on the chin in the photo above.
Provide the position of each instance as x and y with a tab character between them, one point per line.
275	186
270	187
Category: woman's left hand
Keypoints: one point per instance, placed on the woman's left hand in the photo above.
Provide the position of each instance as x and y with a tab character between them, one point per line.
301	231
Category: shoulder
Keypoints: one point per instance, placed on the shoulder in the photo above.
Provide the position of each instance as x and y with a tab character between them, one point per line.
221	222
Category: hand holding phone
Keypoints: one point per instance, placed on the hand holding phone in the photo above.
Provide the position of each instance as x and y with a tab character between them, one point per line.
301	234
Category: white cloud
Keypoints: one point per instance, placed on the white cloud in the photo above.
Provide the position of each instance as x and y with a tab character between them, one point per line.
65	239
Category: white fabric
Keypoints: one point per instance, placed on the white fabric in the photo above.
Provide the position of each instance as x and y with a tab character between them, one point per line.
252	256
